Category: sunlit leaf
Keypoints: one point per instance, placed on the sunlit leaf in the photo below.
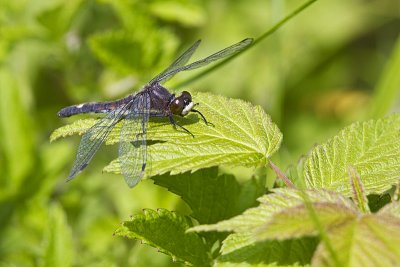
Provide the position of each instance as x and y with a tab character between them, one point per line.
280	201
296	222
77	127
372	147
165	231
242	135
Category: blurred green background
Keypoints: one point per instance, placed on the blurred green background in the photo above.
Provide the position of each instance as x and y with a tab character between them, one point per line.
334	63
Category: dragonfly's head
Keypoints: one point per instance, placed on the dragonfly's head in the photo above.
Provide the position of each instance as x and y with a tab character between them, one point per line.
182	105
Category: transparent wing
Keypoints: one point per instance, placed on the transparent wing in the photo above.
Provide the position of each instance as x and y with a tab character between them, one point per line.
179	62
93	138
132	147
229	51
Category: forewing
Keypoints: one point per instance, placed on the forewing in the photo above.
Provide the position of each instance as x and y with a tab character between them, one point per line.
227	52
132	147
93	138
179	62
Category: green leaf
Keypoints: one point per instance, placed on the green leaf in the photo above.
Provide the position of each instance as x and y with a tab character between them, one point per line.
77	127
370	240
166	231
239	249
242	135
373	149
280	200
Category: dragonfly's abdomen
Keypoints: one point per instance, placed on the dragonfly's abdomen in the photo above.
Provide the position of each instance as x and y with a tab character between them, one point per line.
95	107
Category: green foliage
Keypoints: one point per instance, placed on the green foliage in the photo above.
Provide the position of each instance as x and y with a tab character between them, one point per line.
217	197
283	220
283	216
315	75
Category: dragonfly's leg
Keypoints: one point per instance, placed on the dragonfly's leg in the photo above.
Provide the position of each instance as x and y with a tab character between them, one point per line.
173	122
202	116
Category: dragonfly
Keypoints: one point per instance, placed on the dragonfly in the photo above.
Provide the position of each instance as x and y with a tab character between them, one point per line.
134	112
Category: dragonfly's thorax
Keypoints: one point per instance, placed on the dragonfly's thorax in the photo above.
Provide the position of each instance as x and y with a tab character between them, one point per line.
181	105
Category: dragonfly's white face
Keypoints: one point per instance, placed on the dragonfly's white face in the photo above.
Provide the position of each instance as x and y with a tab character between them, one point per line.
187	108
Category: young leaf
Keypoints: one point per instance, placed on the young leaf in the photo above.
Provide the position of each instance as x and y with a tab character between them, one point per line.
296	222
373	149
271	204
165	231
370	240
358	190
242	135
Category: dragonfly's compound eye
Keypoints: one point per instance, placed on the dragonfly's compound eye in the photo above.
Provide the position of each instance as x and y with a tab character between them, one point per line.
176	106
186	95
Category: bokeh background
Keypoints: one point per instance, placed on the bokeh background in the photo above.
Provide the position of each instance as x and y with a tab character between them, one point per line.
334	63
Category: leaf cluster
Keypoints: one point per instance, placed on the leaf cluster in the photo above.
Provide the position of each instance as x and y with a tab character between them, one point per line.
326	214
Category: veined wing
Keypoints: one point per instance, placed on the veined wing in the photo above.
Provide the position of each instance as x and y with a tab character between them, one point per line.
93	138
179	62
132	147
229	51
